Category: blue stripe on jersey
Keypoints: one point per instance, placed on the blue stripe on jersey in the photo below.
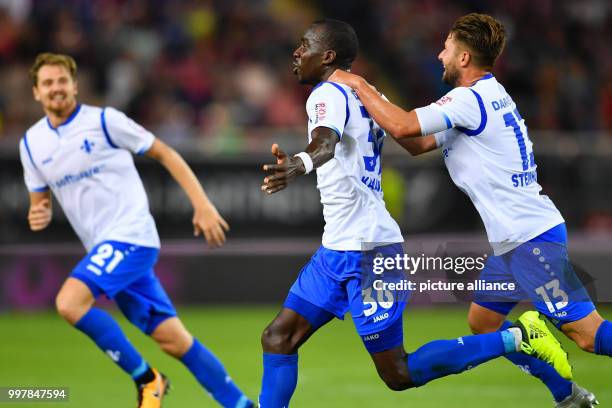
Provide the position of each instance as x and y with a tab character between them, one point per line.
364	112
447	120
105	130
348	113
67	121
40	189
483	118
488	76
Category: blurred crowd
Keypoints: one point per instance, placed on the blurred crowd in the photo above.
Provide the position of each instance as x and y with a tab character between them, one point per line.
217	73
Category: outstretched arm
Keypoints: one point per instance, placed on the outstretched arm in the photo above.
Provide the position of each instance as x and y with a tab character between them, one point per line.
206	218
41	212
393	119
320	150
418	145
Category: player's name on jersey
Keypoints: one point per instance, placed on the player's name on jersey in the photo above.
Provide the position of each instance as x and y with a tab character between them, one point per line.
441	285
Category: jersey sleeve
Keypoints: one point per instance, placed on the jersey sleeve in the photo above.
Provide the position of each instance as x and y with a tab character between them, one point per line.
327	106
462	108
123	132
443	138
34	181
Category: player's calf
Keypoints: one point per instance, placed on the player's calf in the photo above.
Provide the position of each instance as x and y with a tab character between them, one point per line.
392	368
591	333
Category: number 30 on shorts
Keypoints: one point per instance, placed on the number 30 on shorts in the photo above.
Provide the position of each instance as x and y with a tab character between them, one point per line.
384	299
105	259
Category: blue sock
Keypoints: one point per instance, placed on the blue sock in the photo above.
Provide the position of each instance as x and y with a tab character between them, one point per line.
108	336
440	358
279	380
559	387
603	339
209	372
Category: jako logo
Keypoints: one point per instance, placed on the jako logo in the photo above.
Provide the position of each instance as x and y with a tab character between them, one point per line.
381	317
371	337
114	355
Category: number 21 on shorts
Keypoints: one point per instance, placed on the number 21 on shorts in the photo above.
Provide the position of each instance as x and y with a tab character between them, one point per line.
105	259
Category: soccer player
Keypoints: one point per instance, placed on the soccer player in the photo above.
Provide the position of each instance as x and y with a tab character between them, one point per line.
490	157
83	155
345	146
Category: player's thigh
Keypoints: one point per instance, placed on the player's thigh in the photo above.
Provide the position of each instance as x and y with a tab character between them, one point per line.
544	272
314	299
483	319
584	331
111	266
289	330
489	306
377	316
146	304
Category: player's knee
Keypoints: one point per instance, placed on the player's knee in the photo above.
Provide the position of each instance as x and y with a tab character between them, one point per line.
174	348
479	324
70	311
278	340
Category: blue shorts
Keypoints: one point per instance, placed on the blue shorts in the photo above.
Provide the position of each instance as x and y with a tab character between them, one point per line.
336	282
124	272
542	273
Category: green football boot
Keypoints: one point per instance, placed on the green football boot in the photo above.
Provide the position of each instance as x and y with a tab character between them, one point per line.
539	342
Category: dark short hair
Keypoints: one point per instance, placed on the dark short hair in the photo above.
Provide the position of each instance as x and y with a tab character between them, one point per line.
47	58
483	35
341	38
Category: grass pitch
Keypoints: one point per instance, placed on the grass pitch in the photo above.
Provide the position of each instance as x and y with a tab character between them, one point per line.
40	349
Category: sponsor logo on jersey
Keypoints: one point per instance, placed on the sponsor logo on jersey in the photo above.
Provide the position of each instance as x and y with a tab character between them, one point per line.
73	178
371	337
320	112
443	100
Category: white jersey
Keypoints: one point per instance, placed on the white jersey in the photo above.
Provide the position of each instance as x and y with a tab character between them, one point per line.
489	157
350	187
87	163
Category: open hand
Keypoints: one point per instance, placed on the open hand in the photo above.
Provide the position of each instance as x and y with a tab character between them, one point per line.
286	169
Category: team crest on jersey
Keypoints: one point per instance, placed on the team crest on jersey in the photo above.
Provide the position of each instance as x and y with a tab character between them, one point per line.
443	100
87	146
320	112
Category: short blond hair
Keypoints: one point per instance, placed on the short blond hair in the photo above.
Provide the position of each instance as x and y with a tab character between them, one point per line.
48	58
